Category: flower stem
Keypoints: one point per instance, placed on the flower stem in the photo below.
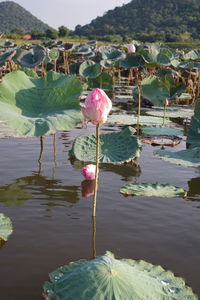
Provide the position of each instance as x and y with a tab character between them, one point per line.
96	172
139	109
41	149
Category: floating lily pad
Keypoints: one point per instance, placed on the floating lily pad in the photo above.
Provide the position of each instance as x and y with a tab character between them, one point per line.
132	119
115	148
152	190
176	112
108	278
162	131
5	227
35	106
188	158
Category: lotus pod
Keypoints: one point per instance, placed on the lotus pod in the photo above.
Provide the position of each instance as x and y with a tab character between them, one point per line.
106	277
5	227
36	106
32	58
115	148
152	190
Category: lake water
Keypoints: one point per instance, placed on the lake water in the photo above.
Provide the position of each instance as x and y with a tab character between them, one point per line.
52	220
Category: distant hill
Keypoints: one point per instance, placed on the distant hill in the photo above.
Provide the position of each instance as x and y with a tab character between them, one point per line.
13	16
148	20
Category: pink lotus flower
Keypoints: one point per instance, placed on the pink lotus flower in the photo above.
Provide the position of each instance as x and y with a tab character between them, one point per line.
87	188
89	172
97	107
131	48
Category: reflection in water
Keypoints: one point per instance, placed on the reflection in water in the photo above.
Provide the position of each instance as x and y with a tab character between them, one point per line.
2	243
194	189
94	231
87	188
37	187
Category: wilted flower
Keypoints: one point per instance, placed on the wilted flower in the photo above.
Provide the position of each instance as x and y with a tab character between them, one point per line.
88	172
97	107
131	48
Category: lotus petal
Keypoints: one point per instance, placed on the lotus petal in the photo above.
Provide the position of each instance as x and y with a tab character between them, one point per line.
35	106
108	278
115	148
152	190
5	227
187	158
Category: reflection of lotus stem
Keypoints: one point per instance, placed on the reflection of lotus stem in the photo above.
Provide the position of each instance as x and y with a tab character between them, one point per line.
96	172
139	108
94	230
41	148
164	116
54	148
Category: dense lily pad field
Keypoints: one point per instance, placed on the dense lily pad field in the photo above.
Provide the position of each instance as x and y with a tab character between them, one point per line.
149	159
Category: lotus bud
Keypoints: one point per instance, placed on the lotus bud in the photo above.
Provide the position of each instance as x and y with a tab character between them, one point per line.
87	188
131	48
97	107
89	172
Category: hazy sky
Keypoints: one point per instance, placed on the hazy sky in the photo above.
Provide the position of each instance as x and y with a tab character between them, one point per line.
68	12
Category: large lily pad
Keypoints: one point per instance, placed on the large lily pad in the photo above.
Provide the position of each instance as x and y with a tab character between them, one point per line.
35	106
32	57
172	112
162	131
132	119
5	227
115	148
89	69
187	158
152	190
108	278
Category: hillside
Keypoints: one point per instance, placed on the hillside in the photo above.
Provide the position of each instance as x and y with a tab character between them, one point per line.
13	16
148	20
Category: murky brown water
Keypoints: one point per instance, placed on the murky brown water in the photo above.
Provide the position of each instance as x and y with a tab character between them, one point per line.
53	224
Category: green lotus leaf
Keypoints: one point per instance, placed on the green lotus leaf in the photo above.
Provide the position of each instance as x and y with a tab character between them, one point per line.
187	158
107	64
8	55
131	61
5	227
29	72
89	69
53	54
152	190
115	148
82	50
189	65
32	57
35	106
192	55
132	119
193	136
111	53
106	277
103	81
162	131
7	44
156	56
172	112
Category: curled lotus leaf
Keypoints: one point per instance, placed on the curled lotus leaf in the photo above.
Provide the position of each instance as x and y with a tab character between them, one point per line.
53	54
189	65
125	119
82	50
111	53
103	81
115	148
7	44
169	131
131	61
152	190
115	279
36	106
89	69
8	55
5	227
32	57
187	158
192	55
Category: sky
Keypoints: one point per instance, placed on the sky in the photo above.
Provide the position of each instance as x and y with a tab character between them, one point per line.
68	12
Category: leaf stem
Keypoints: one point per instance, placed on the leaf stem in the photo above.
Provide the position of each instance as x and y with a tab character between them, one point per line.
96	172
139	110
41	149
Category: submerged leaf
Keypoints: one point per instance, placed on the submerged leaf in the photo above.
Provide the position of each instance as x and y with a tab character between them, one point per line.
5	227
115	148
108	278
152	190
35	106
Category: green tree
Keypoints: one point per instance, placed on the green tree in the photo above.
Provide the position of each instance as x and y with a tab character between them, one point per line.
63	31
51	34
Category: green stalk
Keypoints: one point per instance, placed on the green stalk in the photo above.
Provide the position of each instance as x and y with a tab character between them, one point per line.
41	149
139	110
96	172
94	230
164	116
